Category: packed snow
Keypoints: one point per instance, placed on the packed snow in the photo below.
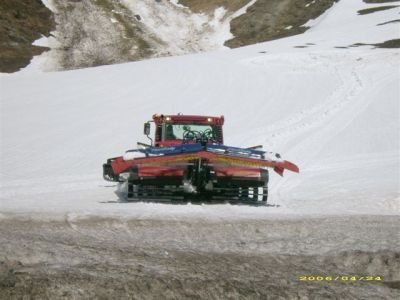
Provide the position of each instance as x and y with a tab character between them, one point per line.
332	111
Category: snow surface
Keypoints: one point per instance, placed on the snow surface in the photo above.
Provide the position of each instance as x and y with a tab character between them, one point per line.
334	112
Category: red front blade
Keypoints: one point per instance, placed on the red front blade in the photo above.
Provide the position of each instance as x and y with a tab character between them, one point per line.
120	165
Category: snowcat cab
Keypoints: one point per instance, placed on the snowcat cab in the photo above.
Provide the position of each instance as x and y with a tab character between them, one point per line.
178	129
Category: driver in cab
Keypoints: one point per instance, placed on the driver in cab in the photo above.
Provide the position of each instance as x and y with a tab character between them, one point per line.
169	133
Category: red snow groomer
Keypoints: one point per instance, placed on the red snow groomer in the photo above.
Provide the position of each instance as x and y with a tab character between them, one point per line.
187	159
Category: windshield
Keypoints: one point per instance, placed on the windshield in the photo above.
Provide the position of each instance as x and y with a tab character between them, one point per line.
176	131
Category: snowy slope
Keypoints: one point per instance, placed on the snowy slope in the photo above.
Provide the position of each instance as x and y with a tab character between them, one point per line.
332	111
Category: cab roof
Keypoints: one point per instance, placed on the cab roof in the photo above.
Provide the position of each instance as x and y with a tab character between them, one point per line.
160	118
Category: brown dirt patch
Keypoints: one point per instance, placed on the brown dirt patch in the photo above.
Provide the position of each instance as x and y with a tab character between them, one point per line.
375	9
158	259
208	6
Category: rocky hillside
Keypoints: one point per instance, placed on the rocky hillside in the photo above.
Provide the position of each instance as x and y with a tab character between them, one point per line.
21	23
97	32
272	19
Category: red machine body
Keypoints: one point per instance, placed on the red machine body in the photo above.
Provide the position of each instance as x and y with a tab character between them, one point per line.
187	157
120	166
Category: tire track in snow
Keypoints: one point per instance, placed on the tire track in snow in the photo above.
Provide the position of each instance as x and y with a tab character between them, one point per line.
344	106
317	117
349	86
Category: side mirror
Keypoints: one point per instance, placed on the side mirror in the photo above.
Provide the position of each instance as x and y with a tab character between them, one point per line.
146	128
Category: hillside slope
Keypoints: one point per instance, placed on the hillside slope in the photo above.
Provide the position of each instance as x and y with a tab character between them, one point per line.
100	32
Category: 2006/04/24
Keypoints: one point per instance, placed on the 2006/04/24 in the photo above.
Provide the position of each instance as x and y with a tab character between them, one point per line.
340	278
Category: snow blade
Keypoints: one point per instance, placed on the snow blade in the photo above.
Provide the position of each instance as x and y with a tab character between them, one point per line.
279	165
286	165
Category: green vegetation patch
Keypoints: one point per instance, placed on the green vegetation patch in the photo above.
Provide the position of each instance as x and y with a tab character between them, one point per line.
267	20
380	1
389	44
375	9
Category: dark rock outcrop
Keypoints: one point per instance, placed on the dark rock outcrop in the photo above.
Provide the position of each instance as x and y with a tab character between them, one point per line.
21	23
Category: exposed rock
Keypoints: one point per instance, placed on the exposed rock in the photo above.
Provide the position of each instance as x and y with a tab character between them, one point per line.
21	23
